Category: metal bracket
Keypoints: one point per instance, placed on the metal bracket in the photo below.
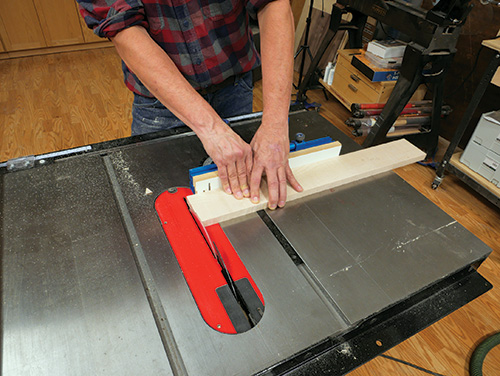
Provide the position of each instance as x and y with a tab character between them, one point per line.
21	163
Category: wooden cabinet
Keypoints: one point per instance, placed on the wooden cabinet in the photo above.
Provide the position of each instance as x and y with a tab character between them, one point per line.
351	86
59	21
30	27
19	26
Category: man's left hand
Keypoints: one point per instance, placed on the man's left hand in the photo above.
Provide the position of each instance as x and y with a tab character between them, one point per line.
271	146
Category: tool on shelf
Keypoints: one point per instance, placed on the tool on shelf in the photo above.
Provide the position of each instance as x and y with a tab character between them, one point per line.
434	35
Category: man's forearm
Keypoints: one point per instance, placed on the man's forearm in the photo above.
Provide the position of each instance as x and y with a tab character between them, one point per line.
270	143
162	78
277	38
158	72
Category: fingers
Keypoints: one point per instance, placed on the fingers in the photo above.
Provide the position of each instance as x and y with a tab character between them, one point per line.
249	166
223	176
276	184
291	179
241	168
234	179
232	171
274	187
282	187
255	179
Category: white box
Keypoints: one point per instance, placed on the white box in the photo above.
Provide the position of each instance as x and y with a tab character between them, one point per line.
483	161
487	132
387	48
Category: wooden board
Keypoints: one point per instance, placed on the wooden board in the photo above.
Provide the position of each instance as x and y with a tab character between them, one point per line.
217	206
210	180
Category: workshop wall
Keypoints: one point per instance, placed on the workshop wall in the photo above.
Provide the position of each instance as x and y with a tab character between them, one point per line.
320	21
483	23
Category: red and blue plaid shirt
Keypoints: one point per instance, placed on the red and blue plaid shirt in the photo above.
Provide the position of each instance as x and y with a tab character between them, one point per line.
208	40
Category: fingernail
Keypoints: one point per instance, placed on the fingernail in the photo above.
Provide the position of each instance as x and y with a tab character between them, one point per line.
246	193
281	204
228	190
239	195
255	200
272	207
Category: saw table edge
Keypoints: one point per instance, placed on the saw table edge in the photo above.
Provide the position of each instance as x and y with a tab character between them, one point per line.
217	206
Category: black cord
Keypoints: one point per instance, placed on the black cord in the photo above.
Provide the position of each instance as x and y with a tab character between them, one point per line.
385	32
411	365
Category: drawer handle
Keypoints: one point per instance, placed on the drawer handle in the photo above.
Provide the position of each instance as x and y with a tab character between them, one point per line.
353	88
355	78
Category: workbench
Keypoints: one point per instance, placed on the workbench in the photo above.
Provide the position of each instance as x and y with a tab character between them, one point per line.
90	285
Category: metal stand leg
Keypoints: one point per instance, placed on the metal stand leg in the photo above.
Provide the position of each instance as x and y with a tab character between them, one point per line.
354	27
305	47
471	108
407	83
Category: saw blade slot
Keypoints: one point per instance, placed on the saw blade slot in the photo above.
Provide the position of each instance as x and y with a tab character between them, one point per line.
226	295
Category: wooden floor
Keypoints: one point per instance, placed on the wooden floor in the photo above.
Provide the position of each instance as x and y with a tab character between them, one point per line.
61	101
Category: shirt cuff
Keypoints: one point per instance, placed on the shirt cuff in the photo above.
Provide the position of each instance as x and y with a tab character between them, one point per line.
117	21
253	6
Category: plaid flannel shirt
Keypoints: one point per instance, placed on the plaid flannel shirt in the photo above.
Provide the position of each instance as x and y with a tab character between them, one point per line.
208	40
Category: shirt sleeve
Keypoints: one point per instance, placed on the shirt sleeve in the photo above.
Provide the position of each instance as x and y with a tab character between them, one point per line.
253	6
108	20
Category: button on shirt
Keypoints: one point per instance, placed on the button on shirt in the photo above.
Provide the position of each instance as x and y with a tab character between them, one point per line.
208	40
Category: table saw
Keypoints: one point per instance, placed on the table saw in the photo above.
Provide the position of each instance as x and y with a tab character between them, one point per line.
91	285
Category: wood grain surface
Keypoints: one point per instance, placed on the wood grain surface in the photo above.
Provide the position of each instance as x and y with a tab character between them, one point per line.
61	101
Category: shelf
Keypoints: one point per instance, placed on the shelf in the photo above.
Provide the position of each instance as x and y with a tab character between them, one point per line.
477	182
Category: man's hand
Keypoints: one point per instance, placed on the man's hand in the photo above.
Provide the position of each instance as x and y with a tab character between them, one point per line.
270	147
270	144
233	158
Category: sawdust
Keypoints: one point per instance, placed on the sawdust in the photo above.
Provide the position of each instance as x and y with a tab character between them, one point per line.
123	171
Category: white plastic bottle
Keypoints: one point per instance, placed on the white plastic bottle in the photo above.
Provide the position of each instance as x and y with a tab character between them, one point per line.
330	75
327	71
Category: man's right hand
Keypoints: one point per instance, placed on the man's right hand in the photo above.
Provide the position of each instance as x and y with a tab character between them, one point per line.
233	158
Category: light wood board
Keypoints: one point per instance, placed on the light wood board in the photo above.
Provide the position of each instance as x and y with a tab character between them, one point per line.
217	206
210	180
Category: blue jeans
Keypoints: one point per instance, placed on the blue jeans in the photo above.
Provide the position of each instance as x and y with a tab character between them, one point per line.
149	115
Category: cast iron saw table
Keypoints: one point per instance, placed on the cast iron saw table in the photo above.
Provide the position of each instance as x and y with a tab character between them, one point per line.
90	285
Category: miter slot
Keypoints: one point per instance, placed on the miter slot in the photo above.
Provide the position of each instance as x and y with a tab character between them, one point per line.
297	260
304	269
